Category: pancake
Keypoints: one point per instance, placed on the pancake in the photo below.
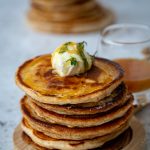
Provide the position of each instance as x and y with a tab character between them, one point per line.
76	120
118	97
37	79
64	132
51	143
116	144
66	17
99	23
71	16
59	3
77	7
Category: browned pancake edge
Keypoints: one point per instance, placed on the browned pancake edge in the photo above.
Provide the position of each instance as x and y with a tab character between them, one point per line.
63	132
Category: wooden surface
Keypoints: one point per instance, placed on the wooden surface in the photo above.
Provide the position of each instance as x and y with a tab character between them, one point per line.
137	141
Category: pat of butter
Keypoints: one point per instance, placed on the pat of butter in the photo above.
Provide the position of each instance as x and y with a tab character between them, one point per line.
71	59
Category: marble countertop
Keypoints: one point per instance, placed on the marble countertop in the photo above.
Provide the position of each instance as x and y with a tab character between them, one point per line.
18	43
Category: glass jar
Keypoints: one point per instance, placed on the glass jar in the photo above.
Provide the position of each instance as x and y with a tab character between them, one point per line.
129	45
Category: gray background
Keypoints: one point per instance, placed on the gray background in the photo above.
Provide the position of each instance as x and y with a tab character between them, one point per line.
18	43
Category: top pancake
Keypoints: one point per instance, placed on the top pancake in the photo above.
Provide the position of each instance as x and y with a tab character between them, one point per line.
37	79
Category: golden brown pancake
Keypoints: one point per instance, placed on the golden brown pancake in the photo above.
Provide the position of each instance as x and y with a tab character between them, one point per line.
37	79
66	17
71	16
104	19
118	97
77	7
116	144
76	120
57	3
64	132
51	143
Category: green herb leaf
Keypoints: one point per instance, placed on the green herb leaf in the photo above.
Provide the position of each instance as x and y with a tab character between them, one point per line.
80	47
73	61
64	47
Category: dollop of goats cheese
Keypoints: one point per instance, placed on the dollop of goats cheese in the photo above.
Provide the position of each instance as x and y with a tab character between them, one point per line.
71	59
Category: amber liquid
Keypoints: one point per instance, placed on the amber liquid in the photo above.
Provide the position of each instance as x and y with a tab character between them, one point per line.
137	73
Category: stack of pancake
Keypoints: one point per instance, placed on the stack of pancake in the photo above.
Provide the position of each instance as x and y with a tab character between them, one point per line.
77	112
68	16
